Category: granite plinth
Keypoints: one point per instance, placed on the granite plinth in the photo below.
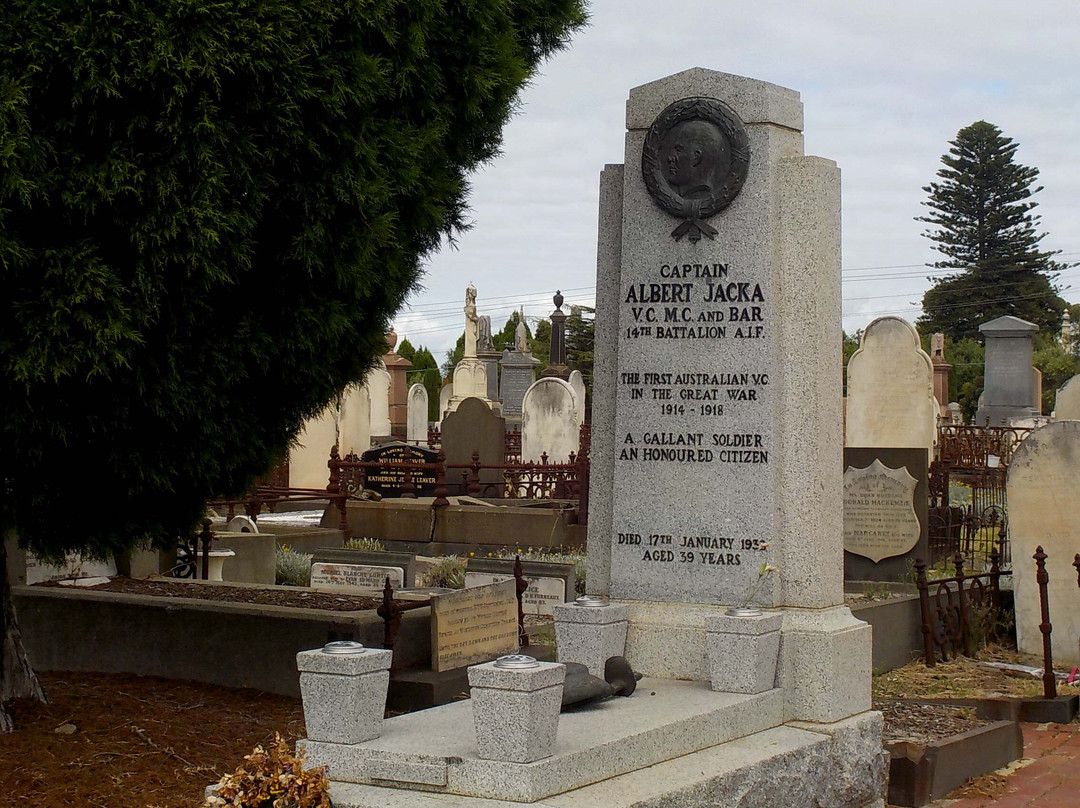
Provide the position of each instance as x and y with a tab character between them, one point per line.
344	695
591	634
840	765
516	712
743	652
436	749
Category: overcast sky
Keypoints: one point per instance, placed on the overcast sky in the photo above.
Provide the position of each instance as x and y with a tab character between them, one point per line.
884	87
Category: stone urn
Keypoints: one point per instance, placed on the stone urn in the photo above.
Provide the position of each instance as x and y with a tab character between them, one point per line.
743	648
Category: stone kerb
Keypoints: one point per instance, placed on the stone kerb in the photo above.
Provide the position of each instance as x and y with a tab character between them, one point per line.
1067	402
891	400
549	421
1044	510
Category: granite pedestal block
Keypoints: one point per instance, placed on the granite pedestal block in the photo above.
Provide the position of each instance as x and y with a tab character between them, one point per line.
344	695
516	711
743	651
591	635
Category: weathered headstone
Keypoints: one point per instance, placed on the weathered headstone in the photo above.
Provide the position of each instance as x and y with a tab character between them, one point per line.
307	460
345	557
716	405
549	584
473	625
1067	402
1008	387
1044	510
397	366
890	402
396	459
518	373
418	414
355	418
577	382
549	423
446	392
885	512
473	427
486	353
378	386
354	577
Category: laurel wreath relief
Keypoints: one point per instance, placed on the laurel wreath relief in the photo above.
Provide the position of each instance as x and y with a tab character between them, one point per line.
693	212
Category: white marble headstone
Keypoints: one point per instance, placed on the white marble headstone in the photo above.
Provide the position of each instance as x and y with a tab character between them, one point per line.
417	424
549	421
890	402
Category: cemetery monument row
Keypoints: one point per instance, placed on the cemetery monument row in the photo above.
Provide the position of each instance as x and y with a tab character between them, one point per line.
716	483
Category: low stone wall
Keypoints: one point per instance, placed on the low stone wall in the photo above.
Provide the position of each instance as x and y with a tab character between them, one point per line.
479	525
898	635
232	644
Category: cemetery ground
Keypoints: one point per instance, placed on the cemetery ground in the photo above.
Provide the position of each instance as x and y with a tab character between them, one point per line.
120	739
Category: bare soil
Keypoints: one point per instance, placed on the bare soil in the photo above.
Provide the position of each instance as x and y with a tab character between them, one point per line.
120	741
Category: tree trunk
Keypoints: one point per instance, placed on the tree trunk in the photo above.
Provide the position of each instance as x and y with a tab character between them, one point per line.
17	678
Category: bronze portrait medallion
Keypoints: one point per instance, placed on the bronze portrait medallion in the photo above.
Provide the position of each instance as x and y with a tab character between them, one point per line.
694	162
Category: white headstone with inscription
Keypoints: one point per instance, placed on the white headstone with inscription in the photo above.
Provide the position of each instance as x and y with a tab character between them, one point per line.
891	400
354	577
549	424
416	426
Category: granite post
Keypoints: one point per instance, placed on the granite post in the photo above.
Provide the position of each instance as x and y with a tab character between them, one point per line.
590	631
515	704
557	355
343	686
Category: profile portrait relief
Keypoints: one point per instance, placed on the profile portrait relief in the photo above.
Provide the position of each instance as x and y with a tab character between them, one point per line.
696	153
694	162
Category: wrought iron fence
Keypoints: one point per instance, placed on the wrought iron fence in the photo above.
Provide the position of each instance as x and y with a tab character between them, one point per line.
959	612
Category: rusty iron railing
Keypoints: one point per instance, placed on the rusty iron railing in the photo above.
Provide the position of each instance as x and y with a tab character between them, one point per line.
946	614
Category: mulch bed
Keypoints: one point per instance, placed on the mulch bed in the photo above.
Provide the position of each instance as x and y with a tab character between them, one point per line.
298	598
924	723
121	741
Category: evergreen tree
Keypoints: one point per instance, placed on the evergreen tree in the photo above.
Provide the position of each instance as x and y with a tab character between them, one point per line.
983	225
209	210
580	337
425	371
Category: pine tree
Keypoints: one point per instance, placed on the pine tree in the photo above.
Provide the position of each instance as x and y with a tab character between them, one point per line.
983	225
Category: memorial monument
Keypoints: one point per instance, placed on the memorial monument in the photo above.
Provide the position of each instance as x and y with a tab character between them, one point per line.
1009	395
715	534
471	373
518	372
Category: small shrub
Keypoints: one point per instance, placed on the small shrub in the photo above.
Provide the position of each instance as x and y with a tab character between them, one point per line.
366	544
448	572
275	777
292	568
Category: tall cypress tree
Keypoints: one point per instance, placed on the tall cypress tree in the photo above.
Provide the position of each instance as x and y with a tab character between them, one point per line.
982	224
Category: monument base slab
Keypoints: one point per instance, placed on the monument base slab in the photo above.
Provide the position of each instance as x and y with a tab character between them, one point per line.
802	765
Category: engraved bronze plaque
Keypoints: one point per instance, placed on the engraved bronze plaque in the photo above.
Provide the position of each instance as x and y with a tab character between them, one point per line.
694	162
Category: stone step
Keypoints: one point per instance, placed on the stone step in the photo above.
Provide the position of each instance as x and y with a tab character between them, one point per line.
435	750
777	767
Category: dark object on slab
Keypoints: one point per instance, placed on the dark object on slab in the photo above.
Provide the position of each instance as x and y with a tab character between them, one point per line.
618	674
581	687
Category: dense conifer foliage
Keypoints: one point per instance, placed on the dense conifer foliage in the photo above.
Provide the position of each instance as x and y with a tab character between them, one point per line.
209	210
981	221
